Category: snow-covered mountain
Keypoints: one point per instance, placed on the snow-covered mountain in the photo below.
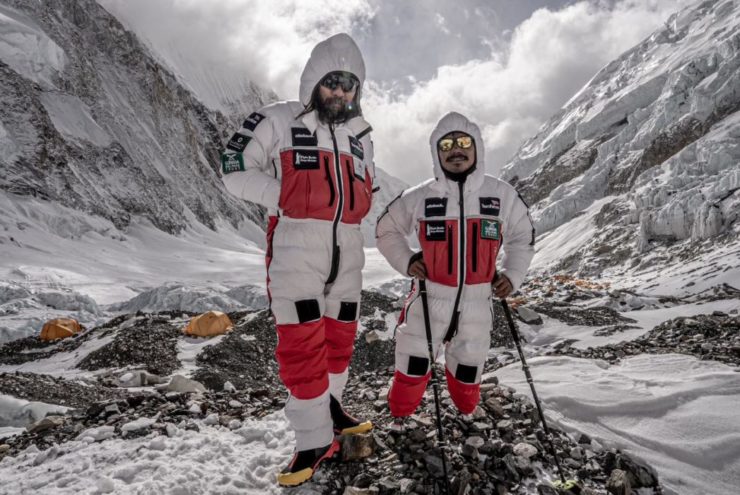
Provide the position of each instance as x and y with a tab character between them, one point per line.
641	169
91	121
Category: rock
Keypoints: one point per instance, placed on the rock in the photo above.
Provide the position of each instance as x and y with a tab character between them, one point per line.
97	434
522	464
640	476
383	394
140	378
171	430
618	483
434	465
475	441
493	405
525	450
528	316
584	439
229	387
138	425
577	453
504	425
544	489
211	419
405	485
179	383
356	447
47	423
479	413
470	452
352	490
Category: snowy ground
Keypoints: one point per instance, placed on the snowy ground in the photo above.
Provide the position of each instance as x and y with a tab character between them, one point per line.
674	411
214	460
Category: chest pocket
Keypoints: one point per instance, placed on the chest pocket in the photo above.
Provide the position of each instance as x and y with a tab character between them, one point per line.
484	240
357	182
307	185
438	240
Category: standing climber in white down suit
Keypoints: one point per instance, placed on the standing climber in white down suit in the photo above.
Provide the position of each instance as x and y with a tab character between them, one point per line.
461	218
310	163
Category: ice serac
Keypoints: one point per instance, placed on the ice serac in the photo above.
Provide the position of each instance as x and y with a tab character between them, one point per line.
647	154
92	121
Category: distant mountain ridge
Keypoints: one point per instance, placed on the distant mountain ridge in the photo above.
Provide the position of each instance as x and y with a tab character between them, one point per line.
646	156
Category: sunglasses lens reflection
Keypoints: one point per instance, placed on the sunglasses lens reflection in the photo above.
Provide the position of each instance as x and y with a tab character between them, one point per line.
446	144
462	142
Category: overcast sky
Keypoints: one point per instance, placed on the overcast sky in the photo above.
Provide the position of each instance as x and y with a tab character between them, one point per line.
506	64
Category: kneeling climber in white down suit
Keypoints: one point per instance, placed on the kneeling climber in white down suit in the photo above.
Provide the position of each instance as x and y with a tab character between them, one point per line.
310	163
461	218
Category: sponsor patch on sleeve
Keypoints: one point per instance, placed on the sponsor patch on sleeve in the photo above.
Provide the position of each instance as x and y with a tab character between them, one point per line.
356	148
238	142
232	162
490	229
306	159
303	137
490	206
253	121
435	231
435	207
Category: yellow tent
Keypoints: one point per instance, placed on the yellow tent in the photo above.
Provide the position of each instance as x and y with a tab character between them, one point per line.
209	324
60	328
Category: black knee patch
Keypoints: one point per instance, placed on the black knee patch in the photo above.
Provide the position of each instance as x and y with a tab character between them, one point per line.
347	311
308	310
465	373
417	366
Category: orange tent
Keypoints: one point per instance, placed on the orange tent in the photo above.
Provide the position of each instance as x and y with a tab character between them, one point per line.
60	328
209	324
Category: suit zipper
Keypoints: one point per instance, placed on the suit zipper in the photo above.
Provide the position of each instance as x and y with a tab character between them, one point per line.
452	329
351	176
340	206
450	250
474	240
328	179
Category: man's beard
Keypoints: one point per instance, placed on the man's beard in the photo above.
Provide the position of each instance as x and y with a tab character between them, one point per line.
335	110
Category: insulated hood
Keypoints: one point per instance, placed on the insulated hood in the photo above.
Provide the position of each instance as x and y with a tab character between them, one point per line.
454	121
340	52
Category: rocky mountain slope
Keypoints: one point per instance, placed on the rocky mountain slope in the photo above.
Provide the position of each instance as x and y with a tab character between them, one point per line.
90	120
644	159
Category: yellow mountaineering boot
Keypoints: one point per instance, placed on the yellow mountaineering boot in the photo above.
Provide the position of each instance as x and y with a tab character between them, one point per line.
344	424
304	464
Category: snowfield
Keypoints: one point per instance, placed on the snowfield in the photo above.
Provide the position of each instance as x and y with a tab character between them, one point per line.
213	460
676	412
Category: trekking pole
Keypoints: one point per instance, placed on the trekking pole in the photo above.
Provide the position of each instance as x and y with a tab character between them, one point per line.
569	485
435	385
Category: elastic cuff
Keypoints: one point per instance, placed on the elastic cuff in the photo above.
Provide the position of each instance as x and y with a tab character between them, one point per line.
414	257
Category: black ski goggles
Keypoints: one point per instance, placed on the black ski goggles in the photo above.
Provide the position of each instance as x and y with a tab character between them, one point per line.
345	80
462	142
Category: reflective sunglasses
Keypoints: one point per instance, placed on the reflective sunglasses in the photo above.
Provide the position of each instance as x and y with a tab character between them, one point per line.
346	80
462	142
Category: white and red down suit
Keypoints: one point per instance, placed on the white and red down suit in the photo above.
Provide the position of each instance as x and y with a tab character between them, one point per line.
316	181
460	227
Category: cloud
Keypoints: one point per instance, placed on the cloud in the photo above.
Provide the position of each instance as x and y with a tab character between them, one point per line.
268	41
551	55
505	65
